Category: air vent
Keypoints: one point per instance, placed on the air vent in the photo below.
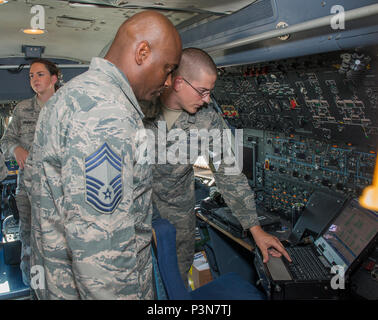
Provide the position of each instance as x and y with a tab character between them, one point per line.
73	22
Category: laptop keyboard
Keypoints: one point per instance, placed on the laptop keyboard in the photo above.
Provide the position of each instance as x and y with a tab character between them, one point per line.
306	265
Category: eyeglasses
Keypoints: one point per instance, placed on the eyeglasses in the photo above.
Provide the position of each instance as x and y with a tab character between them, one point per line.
203	93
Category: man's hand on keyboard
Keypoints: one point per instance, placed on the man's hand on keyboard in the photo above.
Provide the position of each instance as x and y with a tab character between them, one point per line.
268	244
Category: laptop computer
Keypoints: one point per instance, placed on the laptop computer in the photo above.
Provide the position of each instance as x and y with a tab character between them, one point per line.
321	270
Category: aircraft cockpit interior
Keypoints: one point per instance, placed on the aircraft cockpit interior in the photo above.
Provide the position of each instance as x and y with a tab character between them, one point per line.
296	88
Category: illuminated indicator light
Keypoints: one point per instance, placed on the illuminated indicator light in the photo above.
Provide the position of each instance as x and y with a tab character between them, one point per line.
33	31
369	197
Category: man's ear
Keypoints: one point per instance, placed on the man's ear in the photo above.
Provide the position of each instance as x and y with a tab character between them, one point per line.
177	83
142	52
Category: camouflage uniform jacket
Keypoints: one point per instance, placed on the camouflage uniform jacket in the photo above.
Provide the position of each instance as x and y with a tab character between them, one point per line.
20	131
3	168
173	184
91	201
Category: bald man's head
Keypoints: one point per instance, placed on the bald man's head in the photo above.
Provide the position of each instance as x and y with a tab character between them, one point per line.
146	48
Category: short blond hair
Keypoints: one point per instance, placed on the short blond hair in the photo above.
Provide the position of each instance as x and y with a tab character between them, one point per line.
192	61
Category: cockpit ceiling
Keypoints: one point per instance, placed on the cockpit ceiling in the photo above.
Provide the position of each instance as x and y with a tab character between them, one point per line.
209	6
79	30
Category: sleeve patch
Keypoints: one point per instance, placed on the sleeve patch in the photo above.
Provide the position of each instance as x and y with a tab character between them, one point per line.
103	179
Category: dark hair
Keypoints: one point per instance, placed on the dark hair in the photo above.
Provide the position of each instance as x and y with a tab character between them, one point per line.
52	68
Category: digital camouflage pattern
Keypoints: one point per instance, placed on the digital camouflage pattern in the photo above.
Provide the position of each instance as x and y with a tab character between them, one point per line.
173	184
3	168
87	253
20	132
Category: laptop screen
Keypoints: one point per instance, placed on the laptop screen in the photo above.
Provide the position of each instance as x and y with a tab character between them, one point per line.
349	233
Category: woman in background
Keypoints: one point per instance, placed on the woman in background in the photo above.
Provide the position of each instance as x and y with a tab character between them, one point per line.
18	140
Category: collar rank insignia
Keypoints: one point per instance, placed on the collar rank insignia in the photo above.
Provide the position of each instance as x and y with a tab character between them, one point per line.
103	179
